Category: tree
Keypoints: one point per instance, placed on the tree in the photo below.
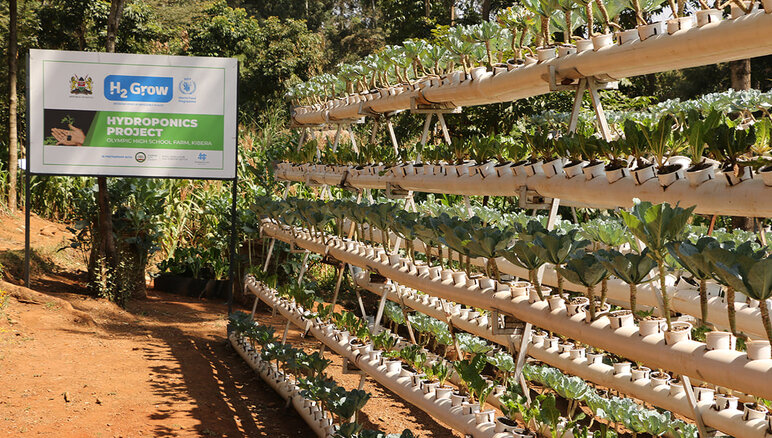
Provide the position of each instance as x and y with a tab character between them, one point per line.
13	136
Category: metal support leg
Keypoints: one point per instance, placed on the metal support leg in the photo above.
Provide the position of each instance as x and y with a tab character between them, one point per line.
286	330
445	133
393	137
362	380
361	304
338	282
375	131
254	306
693	402
303	267
574	121
353	139
336	141
551	220
407	320
379	313
525	341
601	116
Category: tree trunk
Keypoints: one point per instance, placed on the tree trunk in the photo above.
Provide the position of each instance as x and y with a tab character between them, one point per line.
486	10
453	12
427	8
12	105
741	74
107	244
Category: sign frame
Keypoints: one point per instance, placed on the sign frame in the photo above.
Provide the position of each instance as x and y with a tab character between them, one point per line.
233	158
119	63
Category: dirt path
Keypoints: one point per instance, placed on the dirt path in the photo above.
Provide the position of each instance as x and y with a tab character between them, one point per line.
162	368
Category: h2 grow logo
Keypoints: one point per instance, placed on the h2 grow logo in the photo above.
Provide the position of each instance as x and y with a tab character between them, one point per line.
139	88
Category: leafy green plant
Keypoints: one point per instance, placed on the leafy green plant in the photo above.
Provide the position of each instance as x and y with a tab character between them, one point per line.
469	370
693	257
556	248
632	268
655	226
587	270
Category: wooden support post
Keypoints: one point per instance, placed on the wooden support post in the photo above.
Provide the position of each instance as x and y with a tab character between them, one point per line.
468	205
427	125
525	341
362	380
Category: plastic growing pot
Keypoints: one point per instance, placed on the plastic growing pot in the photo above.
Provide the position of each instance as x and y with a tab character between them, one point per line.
469	408
643	174
484	416
615	175
602	40
758	350
457	399
650	326
639	373
443	392
538	338
659	378
459	278
574	169
430	387
551	343
556	302
584	45
594	170
697	177
546	53
519	288
768	9
766	171
649	30
733	179
565	50
504	424
726	402
577	353
594	358
753	411
717	340
707	16
393	366
487	283
621	318
627	36
666	179
676	387
533	295
621	368
704	394
681	331
565	347
535	168
553	167
576	304
736	12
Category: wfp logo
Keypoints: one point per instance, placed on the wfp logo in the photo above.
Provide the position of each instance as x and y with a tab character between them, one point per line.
201	156
139	88
187	86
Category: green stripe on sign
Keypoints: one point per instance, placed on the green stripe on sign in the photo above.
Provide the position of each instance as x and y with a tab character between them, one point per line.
156	131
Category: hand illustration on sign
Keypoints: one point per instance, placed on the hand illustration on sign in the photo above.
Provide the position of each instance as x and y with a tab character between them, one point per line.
69	137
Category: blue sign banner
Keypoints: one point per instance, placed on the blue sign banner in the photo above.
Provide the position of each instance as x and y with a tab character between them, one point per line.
138	88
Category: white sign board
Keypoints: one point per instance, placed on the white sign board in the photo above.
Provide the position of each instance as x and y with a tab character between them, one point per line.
132	115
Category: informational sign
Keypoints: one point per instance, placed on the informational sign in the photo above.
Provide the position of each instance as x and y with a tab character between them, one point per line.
132	115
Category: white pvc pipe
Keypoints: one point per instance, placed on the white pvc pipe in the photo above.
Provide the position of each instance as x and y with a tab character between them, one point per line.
283	390
727	421
683	299
402	386
727	40
711	197
730	369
